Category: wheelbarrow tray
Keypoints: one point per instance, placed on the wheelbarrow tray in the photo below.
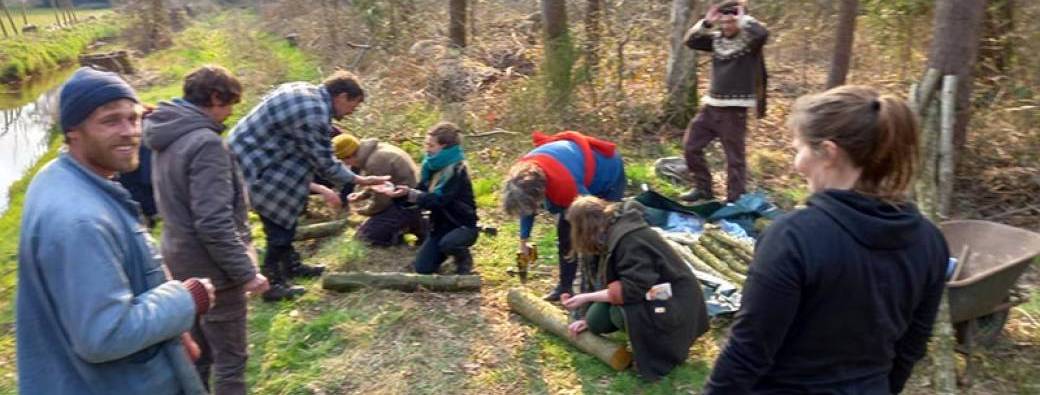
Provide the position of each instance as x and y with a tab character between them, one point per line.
997	256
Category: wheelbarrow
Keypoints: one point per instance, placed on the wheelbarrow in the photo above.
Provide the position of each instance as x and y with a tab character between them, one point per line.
991	258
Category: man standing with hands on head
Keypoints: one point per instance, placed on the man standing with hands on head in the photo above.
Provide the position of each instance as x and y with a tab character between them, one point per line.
97	312
738	81
202	198
280	145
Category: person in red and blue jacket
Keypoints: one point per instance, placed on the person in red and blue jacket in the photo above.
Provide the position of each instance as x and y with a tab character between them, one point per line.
561	168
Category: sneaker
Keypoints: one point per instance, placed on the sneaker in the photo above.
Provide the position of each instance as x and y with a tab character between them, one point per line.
696	195
299	269
279	292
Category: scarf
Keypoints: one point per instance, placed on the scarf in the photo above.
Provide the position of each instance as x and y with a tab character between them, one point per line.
433	164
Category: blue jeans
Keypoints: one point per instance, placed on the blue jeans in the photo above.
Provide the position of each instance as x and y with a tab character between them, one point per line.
438	247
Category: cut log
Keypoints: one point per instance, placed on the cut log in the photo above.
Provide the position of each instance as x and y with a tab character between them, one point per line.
554	320
724	255
405	282
696	263
317	231
717	264
745	251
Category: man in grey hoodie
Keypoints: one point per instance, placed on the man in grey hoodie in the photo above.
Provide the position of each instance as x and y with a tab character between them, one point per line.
202	198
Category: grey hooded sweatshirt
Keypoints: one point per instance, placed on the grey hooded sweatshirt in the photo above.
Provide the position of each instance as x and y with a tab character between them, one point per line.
201	196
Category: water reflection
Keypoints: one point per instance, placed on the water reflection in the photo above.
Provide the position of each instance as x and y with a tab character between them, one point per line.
26	116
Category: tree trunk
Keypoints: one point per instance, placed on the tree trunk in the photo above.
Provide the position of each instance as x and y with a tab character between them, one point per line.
996	49
57	12
681	71
457	27
593	36
404	282
954	47
843	39
320	230
548	317
559	53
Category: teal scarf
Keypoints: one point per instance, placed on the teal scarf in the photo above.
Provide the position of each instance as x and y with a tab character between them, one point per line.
432	164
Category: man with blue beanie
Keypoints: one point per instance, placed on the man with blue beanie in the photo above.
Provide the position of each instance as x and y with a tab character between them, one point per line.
96	312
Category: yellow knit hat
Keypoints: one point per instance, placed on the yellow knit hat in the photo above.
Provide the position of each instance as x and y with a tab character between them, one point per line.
344	145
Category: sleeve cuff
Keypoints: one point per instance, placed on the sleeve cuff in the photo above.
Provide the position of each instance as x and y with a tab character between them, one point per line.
198	295
614	293
413	195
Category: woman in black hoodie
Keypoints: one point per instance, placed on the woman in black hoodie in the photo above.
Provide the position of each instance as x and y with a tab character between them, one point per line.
842	295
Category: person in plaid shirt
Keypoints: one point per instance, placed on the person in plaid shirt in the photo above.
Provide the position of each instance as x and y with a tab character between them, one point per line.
280	145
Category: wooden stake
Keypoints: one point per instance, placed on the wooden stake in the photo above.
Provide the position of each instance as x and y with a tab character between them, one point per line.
317	231
946	150
554	320
405	282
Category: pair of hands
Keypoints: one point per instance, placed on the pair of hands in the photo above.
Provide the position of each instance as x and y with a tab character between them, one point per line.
714	15
332	199
573	303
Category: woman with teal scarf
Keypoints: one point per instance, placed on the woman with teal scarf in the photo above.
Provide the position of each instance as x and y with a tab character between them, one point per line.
447	192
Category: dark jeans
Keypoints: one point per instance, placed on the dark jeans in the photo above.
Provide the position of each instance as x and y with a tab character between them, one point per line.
603	318
438	247
388	226
221	335
279	249
729	125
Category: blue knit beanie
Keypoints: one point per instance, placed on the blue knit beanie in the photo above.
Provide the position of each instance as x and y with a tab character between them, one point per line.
87	90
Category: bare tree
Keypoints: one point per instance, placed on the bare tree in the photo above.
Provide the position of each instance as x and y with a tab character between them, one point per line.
681	72
593	33
559	52
457	26
953	51
843	39
7	12
57	12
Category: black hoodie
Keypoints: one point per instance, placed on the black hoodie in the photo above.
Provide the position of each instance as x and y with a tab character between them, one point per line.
840	298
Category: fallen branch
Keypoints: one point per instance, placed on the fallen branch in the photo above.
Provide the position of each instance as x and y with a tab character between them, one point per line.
724	255
320	230
492	133
547	317
405	282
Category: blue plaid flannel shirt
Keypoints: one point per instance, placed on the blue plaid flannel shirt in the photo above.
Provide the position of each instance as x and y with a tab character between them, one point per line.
280	144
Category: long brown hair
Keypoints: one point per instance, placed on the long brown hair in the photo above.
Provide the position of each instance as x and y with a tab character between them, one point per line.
879	134
590	217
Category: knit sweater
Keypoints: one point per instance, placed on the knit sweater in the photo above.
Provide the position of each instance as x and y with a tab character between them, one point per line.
738	71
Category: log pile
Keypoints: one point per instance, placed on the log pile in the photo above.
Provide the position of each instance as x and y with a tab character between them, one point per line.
715	252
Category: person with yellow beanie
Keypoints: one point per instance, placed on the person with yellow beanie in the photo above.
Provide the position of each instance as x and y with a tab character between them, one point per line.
387	222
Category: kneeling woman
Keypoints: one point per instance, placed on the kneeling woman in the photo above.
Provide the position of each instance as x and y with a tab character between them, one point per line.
623	259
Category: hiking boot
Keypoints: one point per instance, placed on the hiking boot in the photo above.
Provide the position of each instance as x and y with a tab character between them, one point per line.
553	296
464	264
279	292
696	195
296	268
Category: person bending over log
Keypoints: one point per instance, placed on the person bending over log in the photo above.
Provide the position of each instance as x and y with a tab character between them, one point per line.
559	169
642	286
387	222
841	295
446	190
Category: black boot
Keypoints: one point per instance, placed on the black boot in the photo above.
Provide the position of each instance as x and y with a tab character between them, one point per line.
464	263
297	268
568	270
273	269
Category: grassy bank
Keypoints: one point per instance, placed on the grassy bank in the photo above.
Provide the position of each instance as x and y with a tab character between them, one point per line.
259	59
28	54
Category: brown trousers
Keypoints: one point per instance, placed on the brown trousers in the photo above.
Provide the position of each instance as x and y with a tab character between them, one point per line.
221	334
729	125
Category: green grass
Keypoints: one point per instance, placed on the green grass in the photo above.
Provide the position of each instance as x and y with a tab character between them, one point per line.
44	17
36	53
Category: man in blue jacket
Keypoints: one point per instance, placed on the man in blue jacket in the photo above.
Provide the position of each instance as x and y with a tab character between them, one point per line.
96	311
